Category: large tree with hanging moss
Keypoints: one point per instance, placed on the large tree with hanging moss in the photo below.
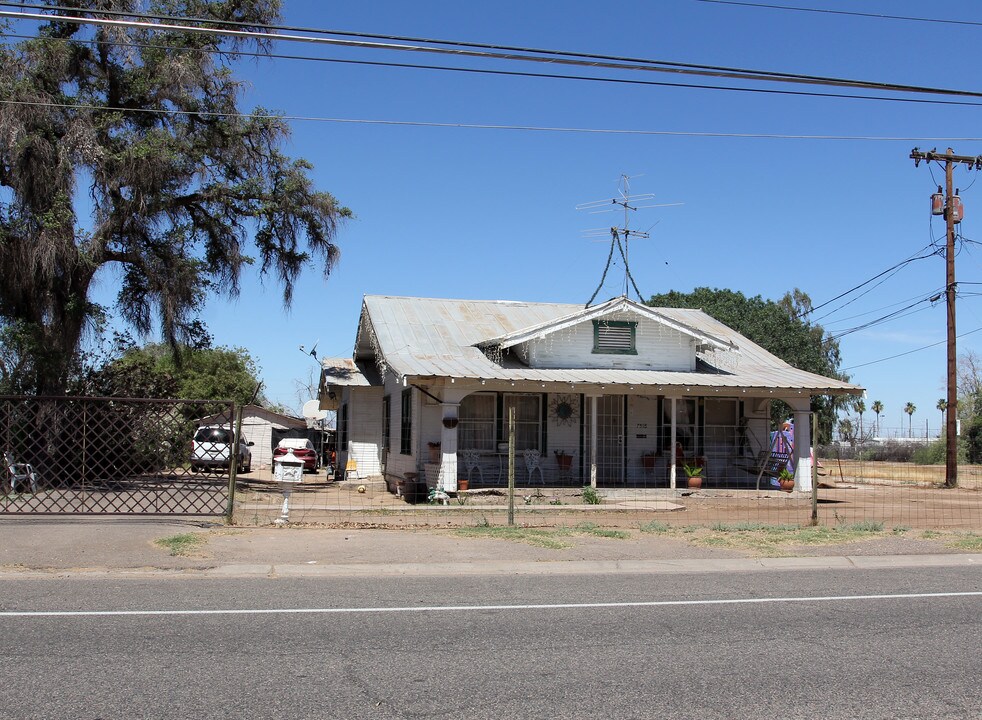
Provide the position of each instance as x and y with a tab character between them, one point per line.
185	190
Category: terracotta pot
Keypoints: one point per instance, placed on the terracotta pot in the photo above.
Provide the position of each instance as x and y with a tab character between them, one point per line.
565	462
434	453
463	484
787	485
694	482
648	462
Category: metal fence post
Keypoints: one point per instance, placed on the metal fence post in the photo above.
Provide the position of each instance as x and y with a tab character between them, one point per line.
814	469
511	466
233	464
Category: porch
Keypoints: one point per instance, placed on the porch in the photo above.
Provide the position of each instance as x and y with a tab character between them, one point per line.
606	441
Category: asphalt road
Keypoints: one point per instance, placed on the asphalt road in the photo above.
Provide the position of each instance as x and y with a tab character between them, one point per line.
756	644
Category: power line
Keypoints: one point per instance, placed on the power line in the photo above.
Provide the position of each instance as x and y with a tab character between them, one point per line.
557	57
547	76
895	315
893	268
826	11
478	126
932	294
910	352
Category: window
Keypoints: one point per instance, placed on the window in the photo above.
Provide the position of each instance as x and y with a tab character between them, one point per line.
406	426
614	337
528	420
475	430
386	421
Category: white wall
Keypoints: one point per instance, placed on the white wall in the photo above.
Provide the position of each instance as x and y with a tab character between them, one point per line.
659	348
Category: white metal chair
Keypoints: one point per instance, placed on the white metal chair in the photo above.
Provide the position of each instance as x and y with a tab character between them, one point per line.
472	461
19	472
532	458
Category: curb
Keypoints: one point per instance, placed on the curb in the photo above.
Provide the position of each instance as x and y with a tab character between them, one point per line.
570	567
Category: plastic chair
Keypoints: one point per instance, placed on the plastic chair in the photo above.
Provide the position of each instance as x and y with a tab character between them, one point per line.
19	472
532	458
472	461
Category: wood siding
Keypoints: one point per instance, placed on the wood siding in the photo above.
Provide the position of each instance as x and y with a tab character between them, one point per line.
659	348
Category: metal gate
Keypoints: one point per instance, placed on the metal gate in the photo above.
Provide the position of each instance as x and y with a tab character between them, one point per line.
122	456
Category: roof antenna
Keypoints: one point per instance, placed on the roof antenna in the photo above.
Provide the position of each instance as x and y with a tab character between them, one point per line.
630	203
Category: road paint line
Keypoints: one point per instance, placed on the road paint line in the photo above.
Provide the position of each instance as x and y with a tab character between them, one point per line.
484	608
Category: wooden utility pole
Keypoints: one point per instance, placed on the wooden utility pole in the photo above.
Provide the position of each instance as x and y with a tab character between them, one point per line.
953	214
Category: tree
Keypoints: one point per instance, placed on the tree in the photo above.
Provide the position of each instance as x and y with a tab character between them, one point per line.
146	125
942	406
860	408
846	431
910	409
877	407
197	373
780	328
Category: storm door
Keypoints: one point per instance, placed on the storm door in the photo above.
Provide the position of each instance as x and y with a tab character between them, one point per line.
610	439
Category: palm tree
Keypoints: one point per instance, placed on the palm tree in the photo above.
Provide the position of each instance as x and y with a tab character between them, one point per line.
910	409
860	408
942	406
877	407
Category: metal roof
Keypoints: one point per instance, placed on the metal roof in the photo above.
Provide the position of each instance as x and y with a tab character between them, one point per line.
431	337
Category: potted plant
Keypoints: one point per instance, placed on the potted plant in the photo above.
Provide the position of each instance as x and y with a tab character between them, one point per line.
786	478
564	460
648	461
693	474
434	451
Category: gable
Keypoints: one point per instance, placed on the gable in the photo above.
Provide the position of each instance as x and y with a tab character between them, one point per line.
617	340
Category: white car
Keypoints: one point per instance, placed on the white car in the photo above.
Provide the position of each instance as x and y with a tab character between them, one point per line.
211	449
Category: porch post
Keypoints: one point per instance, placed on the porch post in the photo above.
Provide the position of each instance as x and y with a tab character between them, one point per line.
802	449
448	448
593	441
672	456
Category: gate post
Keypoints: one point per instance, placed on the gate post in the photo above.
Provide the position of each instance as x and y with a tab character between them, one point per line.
233	463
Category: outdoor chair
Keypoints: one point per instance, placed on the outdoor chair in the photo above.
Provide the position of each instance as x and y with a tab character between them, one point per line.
472	461
532	458
771	464
19	472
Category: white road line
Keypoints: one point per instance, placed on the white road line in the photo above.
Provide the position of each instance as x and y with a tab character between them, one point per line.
483	608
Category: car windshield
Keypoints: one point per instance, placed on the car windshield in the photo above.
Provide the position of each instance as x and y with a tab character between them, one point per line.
213	435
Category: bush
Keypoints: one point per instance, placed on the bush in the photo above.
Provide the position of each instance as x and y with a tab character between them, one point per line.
933	454
591	496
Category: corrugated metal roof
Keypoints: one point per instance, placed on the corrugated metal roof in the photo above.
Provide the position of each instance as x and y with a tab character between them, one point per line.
432	337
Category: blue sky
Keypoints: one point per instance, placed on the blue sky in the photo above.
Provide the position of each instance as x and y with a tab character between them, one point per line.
490	214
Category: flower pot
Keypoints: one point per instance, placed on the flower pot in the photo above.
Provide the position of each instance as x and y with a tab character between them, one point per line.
565	462
648	462
434	452
787	485
463	484
694	482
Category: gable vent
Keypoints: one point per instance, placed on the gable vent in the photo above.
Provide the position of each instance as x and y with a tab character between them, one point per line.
614	337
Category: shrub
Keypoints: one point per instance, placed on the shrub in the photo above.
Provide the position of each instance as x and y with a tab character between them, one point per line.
591	496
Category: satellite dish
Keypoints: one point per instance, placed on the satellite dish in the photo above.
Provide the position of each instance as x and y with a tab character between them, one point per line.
312	410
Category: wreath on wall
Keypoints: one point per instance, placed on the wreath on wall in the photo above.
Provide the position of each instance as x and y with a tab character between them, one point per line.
564	409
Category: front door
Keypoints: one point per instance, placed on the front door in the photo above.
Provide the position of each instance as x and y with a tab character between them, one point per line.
610	439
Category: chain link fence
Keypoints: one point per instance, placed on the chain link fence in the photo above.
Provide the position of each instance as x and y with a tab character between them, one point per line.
891	496
90	455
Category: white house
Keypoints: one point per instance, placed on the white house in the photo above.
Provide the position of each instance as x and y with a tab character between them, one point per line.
432	383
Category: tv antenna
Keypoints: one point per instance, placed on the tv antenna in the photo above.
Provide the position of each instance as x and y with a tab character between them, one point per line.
620	237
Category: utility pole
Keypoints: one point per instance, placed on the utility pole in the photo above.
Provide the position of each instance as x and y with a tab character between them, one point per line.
952	211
